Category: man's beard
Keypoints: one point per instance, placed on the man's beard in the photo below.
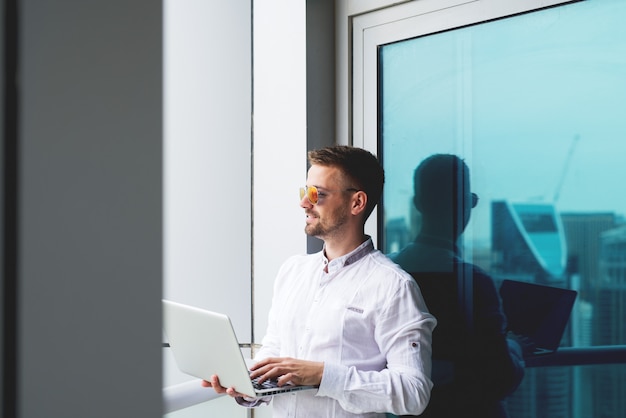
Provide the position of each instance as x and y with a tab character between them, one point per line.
323	230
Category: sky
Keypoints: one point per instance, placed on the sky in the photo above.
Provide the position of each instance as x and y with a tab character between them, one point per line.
536	104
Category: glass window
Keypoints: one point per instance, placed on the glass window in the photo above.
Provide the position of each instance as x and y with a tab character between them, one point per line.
534	104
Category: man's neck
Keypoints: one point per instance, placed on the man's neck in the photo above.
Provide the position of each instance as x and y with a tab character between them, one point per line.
335	248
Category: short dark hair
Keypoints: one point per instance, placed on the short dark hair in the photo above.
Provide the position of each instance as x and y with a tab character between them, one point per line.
441	183
358	165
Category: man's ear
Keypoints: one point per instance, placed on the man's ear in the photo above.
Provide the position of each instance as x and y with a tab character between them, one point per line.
359	202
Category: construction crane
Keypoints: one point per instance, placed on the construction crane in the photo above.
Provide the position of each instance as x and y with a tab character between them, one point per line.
568	159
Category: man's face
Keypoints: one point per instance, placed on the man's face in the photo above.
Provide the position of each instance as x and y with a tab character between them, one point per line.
331	213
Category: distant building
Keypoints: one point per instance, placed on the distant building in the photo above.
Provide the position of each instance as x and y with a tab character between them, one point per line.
583	251
608	321
528	244
582	234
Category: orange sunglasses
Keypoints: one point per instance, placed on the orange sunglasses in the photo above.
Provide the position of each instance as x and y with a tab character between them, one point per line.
312	193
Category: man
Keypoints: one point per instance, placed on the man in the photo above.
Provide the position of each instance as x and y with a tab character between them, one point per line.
474	365
346	319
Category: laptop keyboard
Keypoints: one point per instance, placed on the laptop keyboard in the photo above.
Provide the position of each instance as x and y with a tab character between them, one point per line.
268	384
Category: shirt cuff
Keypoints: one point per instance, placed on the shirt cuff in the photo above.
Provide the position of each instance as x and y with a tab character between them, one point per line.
333	380
252	402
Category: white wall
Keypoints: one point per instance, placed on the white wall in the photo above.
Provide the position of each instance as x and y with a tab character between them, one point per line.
231	188
207	168
279	143
207	137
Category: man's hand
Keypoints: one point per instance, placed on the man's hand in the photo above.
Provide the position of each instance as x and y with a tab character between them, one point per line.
525	344
215	384
288	370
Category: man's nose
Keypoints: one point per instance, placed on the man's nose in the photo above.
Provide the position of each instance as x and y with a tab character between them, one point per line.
305	202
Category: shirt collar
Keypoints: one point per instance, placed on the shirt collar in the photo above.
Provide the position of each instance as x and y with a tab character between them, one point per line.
350	258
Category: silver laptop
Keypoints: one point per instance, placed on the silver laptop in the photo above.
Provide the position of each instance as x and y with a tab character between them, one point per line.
204	343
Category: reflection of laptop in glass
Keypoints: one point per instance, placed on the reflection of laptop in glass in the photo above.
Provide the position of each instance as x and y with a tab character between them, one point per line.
204	343
537	312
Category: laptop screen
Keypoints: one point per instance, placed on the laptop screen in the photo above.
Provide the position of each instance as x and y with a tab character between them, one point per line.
537	312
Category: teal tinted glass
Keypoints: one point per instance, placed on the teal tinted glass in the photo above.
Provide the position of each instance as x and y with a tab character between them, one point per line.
535	104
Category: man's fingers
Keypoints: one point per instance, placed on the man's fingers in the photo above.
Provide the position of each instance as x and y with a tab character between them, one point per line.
286	370
215	383
232	392
289	377
264	363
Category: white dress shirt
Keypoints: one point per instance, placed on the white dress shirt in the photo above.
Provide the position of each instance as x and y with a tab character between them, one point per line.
365	318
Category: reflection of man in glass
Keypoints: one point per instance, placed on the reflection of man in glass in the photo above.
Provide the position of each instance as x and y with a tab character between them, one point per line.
474	365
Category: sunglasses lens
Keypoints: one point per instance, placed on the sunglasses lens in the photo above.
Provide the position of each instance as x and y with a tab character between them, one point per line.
312	194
